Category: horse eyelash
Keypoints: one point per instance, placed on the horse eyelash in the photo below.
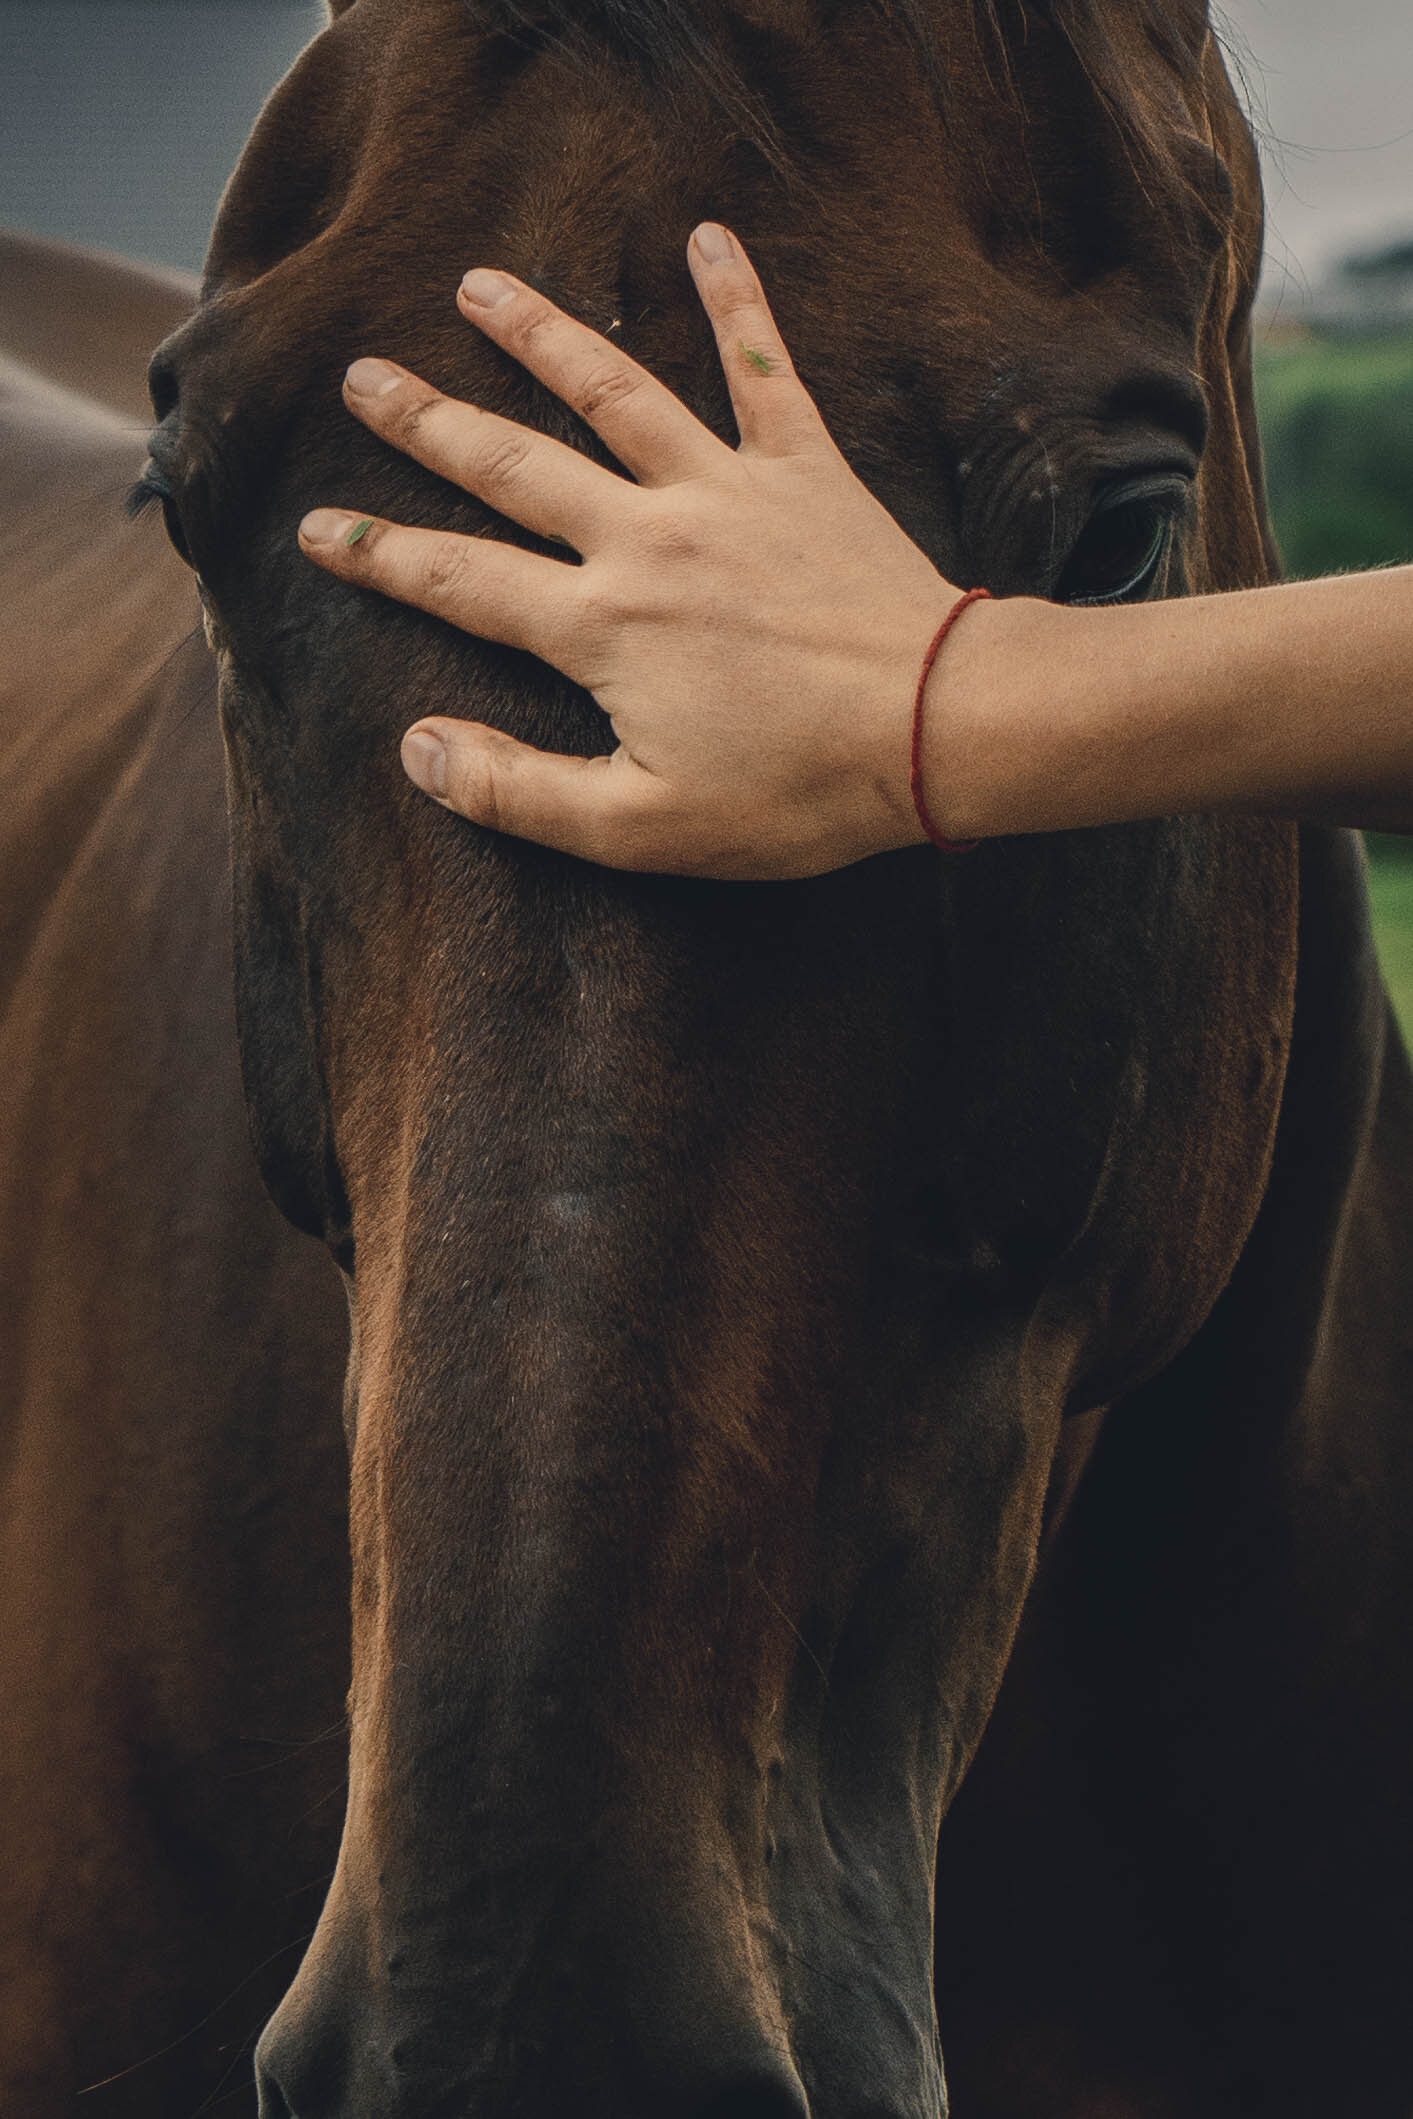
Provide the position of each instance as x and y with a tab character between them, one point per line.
141	497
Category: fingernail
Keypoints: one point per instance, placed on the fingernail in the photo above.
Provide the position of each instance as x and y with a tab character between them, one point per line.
370	378
326	526
424	760
487	290
713	243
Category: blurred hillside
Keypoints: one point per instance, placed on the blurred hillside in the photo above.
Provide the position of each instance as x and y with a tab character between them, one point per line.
120	120
1336	405
1337	419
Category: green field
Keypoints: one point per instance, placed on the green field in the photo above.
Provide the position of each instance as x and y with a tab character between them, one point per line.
1337	423
1391	894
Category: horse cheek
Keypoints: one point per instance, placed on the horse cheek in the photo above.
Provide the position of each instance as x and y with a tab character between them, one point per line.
276	983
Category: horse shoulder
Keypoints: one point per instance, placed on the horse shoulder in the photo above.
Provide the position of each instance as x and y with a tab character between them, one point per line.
93	609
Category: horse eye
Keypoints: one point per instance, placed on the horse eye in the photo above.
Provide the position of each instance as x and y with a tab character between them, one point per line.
1121	549
153	486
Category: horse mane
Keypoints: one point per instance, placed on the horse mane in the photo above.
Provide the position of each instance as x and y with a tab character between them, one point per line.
676	40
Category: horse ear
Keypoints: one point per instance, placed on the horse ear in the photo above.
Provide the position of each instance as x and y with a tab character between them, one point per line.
338	7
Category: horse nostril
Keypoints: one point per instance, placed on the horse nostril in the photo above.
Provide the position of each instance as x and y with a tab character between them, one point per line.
272	2104
271	2101
162	385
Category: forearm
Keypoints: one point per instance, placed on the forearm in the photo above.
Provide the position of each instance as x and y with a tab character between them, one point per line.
752	622
1295	700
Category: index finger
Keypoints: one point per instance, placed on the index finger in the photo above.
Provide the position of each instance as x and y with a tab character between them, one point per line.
650	431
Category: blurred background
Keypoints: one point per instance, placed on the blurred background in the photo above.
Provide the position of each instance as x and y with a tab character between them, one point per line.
120	120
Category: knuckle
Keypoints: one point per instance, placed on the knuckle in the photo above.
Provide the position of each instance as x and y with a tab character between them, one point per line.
740	302
502	455
444	568
604	387
602	604
537	318
411	417
671	536
474	787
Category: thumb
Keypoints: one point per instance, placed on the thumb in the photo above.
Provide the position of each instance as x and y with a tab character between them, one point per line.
601	809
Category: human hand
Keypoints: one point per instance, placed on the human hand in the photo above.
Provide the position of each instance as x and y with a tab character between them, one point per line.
752	621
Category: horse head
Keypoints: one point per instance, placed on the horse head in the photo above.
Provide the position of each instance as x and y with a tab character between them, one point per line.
723	1259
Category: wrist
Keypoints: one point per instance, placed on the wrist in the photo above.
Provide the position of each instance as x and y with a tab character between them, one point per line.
958	611
981	760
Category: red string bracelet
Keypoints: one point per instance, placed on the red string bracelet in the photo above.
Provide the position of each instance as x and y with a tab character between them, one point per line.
919	799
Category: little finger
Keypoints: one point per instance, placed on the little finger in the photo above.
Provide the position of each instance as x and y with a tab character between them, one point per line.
774	412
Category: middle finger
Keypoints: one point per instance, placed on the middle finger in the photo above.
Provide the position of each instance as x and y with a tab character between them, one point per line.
649	429
522	474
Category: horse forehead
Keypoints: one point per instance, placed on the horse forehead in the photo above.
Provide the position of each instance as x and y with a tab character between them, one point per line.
895	294
422	88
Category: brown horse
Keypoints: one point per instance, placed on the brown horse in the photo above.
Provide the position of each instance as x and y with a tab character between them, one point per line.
86	320
175	1621
724	1261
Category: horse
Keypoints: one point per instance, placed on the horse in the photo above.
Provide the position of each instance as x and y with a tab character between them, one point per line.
86	320
173	1351
876	1406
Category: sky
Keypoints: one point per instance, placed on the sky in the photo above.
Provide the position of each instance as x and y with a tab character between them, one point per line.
1332	94
120	119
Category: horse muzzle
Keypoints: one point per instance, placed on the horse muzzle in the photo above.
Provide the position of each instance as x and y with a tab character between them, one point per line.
701	2013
